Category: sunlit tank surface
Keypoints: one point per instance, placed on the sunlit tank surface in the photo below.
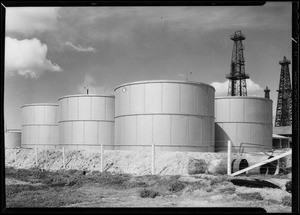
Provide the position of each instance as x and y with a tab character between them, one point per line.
13	138
86	121
174	115
39	125
246	120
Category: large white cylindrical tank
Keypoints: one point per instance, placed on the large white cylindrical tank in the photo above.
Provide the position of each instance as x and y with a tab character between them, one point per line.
40	125
174	115
243	119
86	121
12	138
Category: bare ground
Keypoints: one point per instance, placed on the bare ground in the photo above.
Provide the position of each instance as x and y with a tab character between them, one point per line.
199	191
126	175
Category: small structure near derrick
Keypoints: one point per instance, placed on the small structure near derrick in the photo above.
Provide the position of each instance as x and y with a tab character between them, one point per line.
280	142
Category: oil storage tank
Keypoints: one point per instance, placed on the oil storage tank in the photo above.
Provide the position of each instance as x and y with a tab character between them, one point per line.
173	115
244	120
40	125
12	138
86	121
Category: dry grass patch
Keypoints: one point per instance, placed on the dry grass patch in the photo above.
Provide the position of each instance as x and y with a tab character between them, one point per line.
148	193
176	186
287	200
250	196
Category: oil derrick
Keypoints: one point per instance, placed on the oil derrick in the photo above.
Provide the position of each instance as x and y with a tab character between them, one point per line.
284	102
237	77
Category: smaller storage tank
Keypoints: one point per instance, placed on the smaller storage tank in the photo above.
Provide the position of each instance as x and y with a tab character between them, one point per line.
12	138
243	120
39	125
86	121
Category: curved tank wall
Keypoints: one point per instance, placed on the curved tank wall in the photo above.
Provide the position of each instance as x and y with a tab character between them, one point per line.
246	120
12	138
174	115
86	121
39	125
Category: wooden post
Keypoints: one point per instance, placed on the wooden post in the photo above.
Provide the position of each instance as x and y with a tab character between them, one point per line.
64	157
229	158
102	159
153	159
36	156
16	155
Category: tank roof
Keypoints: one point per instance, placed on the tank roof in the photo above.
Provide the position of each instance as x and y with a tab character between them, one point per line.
164	81
86	95
13	130
243	97
40	104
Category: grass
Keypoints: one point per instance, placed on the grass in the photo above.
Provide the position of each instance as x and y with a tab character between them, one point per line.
197	166
227	190
45	198
55	189
287	200
69	177
176	186
61	188
148	193
250	196
218	180
12	190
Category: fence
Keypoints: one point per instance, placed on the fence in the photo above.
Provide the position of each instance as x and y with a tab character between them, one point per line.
153	154
36	151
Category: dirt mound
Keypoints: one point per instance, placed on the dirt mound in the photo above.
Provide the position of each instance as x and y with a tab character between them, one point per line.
119	161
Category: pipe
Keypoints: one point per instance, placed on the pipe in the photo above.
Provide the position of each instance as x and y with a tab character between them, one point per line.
239	164
262	163
153	159
272	166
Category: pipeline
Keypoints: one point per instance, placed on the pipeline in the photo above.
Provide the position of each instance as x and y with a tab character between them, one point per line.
271	168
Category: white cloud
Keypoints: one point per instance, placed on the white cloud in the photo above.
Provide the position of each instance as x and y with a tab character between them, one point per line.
93	87
29	20
79	48
253	89
27	58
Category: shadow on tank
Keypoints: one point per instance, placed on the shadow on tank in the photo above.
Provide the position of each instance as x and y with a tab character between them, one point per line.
220	144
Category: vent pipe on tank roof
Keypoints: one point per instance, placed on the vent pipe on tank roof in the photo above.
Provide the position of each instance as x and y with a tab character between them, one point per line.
267	93
87	89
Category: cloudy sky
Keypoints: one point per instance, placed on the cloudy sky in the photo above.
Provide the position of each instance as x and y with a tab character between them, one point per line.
52	52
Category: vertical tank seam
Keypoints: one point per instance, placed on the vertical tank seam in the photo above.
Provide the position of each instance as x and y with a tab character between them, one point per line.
180	102
162	95
171	139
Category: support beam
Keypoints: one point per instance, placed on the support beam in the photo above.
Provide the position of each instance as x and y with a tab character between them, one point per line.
102	158
229	158
153	159
64	157
262	163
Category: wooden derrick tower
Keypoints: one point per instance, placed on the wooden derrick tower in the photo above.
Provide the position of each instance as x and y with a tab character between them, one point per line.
284	102
237	77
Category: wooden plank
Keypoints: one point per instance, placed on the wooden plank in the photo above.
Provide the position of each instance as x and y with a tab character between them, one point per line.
262	163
